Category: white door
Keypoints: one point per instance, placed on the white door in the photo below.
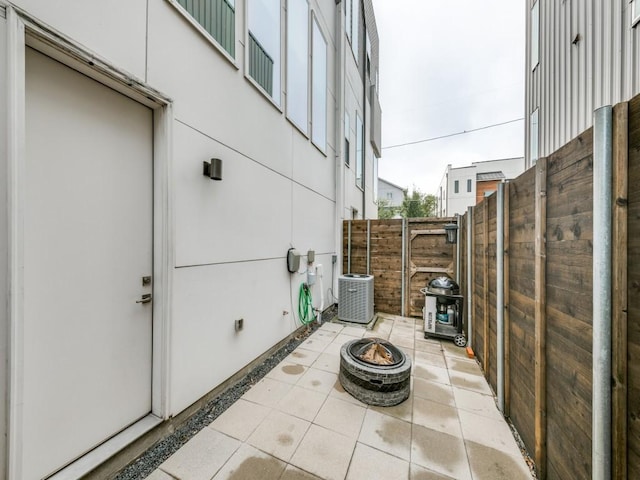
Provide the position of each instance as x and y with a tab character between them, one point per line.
87	246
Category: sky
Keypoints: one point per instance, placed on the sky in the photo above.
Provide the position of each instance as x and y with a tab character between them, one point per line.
447	67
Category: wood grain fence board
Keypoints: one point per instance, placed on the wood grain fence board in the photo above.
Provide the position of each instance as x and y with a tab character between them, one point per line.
507	313
485	286
569	303
378	243
633	292
540	321
478	278
492	230
570	153
472	265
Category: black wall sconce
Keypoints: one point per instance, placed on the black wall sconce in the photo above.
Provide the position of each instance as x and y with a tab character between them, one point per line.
451	230
212	169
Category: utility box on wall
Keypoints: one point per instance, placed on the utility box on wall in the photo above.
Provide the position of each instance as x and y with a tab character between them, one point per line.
355	301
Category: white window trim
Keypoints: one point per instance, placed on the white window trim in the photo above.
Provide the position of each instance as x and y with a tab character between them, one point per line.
536	113
347	137
635	13
315	21
278	105
303	129
204	33
536	8
362	152
355	35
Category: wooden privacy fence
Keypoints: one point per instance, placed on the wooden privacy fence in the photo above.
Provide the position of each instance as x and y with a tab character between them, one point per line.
402	255
547	307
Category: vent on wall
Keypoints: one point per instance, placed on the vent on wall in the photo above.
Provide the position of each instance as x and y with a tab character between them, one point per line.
355	302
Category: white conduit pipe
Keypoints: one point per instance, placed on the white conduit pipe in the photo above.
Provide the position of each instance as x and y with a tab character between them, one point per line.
469	271
601	400
321	308
500	294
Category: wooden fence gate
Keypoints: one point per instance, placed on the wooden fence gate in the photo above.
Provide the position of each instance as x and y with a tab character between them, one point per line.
403	255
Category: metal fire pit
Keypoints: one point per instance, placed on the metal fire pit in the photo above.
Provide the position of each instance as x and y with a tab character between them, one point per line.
375	371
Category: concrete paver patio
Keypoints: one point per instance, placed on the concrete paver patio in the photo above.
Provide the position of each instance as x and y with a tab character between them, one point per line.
298	422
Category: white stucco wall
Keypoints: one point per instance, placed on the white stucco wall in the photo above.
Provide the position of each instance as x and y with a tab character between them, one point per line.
458	202
94	24
232	236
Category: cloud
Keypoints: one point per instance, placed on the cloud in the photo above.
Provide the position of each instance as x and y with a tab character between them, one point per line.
447	67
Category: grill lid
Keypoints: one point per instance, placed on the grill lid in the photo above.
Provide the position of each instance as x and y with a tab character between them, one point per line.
443	286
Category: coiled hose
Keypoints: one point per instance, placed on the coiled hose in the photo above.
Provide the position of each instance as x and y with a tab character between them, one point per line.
305	305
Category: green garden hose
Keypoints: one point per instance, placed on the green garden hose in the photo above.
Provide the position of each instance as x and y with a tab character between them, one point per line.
305	305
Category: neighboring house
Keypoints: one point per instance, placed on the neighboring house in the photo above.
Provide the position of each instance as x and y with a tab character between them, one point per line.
580	55
463	187
124	267
390	193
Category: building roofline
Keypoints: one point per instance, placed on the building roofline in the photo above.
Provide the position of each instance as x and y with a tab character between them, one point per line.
497	160
392	184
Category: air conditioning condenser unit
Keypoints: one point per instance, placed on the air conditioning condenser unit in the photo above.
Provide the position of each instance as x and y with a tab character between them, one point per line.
355	300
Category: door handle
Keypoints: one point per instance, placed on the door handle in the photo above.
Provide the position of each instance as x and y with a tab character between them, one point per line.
146	298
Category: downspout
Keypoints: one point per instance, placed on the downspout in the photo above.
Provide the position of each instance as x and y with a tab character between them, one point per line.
339	141
402	274
349	247
601	400
469	273
458	236
500	294
365	123
368	247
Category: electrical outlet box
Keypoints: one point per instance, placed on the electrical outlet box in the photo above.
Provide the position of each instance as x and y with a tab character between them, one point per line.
311	256
293	260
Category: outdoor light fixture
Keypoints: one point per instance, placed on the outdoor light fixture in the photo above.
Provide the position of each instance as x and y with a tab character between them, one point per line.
212	169
451	229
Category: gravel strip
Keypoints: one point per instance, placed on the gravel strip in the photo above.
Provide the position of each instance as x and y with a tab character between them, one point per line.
145	464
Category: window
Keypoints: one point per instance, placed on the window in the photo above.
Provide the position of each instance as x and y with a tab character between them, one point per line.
355	22
318	88
217	18
359	152
468	185
347	135
347	18
368	44
535	35
389	195
635	12
533	137
456	186
298	63
264	45
374	160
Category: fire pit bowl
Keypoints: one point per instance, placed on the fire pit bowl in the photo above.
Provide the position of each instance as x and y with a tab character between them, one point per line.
375	371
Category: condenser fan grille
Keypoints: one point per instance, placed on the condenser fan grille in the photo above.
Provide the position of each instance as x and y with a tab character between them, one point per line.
355	301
